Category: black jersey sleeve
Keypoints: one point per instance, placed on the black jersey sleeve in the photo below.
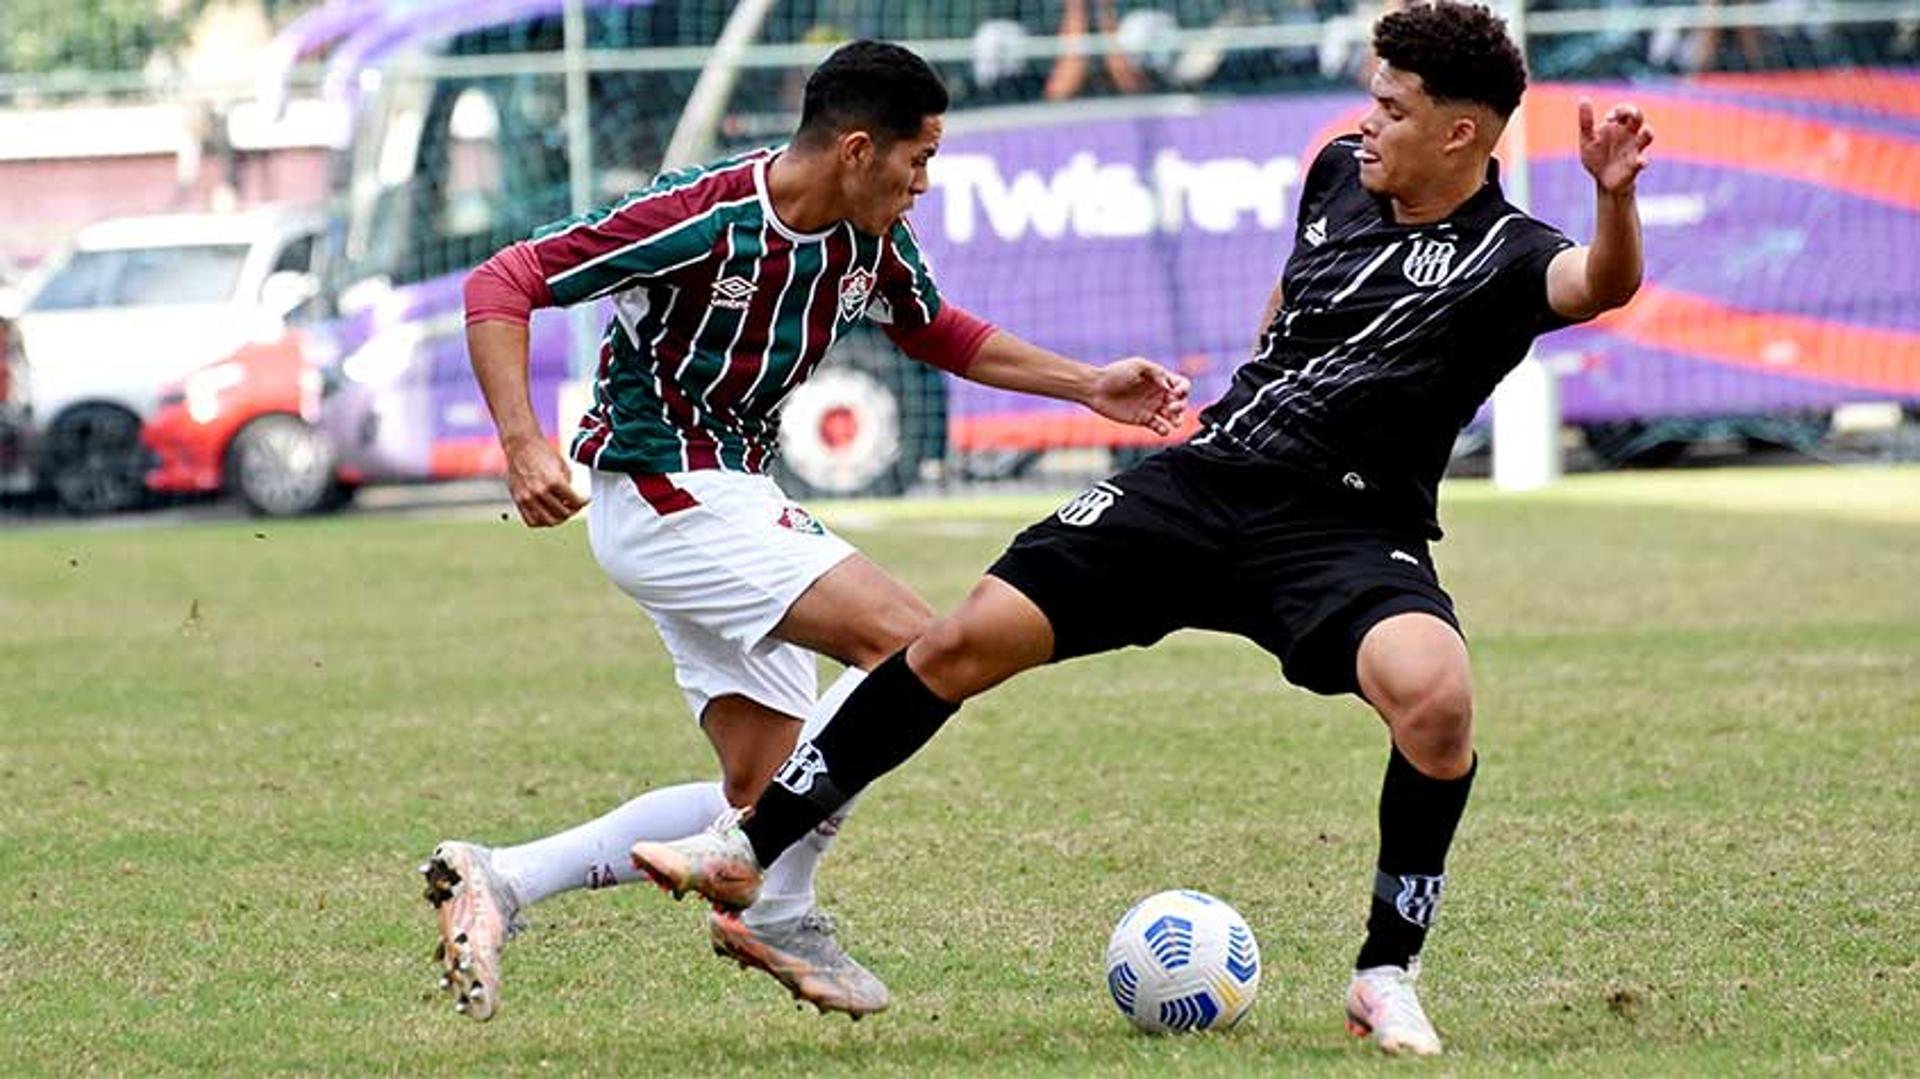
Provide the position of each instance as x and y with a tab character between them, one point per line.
1324	179
1524	284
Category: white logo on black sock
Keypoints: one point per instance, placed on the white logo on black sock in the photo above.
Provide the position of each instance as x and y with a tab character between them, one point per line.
798	774
1418	899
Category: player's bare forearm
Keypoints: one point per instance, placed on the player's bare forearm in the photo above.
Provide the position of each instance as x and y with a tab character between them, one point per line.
538	478
498	352
1008	363
1613	259
1134	390
1584	281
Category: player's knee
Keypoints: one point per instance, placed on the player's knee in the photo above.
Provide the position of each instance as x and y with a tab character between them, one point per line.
941	654
1434	726
995	634
906	621
893	625
956	659
742	786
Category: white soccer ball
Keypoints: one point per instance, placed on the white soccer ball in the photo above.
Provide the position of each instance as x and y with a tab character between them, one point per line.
1182	961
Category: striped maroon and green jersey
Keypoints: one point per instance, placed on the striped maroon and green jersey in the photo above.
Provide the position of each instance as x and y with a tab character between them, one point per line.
720	310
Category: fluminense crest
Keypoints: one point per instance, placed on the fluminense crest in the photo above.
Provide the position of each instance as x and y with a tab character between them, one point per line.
855	286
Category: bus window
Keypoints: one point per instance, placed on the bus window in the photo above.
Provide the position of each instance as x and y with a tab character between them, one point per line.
471	197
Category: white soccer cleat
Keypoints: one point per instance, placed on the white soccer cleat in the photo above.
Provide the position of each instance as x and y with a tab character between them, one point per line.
1383	1008
477	914
718	863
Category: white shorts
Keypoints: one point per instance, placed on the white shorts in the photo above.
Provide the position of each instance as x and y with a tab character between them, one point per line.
716	558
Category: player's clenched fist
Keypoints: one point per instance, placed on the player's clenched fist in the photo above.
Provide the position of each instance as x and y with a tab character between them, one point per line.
541	484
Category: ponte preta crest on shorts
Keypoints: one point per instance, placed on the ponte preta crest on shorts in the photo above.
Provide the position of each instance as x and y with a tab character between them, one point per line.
1088	505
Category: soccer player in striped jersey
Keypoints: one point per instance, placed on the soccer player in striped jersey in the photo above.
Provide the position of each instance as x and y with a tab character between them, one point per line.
1300	515
729	283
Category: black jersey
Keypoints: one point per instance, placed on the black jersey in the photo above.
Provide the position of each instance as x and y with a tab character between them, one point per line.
1389	338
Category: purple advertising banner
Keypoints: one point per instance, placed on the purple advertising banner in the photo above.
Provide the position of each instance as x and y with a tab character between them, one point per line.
1780	231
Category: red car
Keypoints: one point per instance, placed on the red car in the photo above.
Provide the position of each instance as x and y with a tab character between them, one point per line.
241	426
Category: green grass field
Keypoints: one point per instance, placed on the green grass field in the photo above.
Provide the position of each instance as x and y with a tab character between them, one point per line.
224	748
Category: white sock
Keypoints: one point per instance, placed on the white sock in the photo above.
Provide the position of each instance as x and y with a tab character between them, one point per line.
595	854
787	890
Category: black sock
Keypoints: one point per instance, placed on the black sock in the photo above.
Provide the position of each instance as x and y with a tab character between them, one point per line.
1418	814
885	720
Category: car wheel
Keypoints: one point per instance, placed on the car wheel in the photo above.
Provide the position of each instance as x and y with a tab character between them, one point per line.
93	461
280	466
861	426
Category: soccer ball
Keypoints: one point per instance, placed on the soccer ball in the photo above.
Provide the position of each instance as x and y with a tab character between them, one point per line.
1182	961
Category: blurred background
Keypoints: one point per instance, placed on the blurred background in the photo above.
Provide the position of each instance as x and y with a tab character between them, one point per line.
233	231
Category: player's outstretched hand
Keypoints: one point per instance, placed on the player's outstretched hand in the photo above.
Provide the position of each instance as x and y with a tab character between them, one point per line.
1141	392
541	484
1614	150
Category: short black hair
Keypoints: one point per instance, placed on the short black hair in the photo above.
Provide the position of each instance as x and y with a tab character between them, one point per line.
883	89
1460	51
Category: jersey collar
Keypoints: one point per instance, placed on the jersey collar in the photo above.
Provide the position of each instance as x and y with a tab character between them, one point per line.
766	204
1480	205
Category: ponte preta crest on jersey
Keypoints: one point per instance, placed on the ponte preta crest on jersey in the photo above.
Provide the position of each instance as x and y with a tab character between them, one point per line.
1428	262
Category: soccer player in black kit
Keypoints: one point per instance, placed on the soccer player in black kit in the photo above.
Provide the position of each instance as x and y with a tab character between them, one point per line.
1299	516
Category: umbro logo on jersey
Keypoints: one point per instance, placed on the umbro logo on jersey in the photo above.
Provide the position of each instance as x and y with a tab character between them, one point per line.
855	286
1402	556
1428	262
733	292
1317	232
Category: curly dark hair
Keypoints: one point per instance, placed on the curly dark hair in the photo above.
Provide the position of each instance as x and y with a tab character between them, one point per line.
883	89
1460	51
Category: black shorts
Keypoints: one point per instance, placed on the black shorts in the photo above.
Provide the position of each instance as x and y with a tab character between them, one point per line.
1186	541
